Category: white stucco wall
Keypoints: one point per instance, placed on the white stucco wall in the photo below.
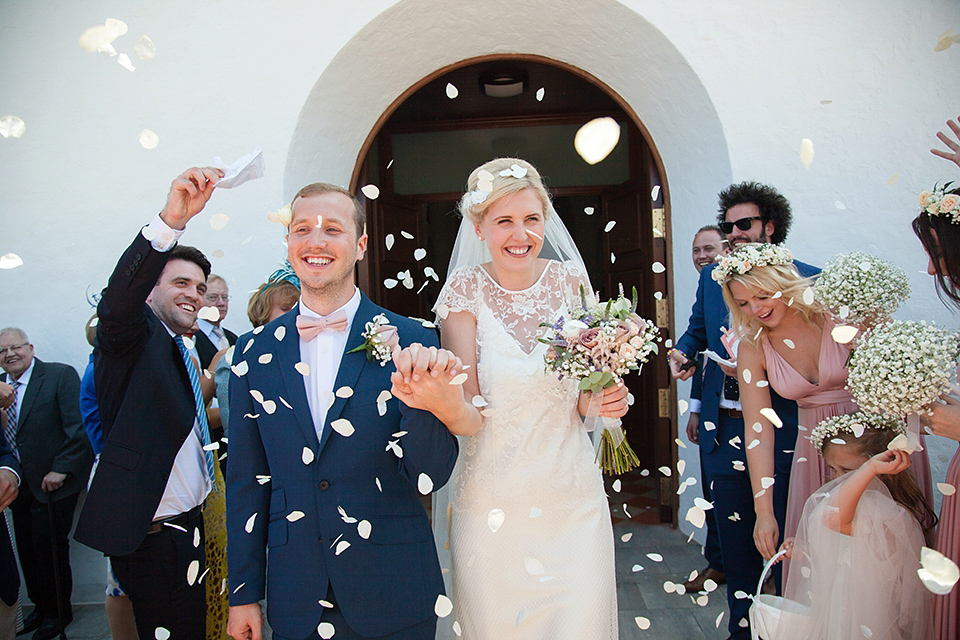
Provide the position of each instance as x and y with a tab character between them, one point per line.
727	91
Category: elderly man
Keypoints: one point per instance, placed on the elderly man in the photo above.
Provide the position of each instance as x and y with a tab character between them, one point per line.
212	336
749	212
46	435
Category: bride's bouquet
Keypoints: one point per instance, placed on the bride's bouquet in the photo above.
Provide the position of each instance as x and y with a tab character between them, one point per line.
859	288
597	344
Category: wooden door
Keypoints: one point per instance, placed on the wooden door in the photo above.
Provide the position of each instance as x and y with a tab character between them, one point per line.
395	219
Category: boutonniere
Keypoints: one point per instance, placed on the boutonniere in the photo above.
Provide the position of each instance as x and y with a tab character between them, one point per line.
379	339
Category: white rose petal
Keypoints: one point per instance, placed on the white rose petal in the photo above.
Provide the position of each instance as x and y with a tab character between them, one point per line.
149	139
696	517
218	221
424	484
343	427
495	519
806	152
307	455
643	623
371	191
193	569
342	546
658	267
452	92
596	139
364	528
326	630
443	606
844	333
938	573
772	416
161	633
293	516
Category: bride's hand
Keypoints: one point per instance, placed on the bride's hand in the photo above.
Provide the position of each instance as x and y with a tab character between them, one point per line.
613	403
422	380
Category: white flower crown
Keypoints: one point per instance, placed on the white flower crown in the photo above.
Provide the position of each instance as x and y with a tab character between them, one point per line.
939	203
485	183
855	424
748	256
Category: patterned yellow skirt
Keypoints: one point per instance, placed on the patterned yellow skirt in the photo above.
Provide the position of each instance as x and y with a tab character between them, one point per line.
215	530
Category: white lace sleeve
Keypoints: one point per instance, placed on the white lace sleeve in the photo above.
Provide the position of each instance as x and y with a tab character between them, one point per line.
572	277
461	291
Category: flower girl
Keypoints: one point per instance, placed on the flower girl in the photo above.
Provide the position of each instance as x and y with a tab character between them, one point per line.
857	550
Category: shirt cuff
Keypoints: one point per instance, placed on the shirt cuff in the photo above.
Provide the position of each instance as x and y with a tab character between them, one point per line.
695	405
160	235
10	469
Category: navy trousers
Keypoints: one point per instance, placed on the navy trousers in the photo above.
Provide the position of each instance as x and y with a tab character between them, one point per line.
735	517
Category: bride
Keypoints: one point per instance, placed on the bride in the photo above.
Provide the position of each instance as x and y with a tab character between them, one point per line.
530	531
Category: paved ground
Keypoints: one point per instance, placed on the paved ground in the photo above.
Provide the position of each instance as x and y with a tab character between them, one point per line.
640	591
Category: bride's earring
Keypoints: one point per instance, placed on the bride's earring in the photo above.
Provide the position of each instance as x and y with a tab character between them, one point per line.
480	237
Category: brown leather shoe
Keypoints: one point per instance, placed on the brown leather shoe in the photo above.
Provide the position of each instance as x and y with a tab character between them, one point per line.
696	585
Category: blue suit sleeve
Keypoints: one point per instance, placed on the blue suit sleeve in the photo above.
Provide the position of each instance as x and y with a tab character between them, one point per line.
694	339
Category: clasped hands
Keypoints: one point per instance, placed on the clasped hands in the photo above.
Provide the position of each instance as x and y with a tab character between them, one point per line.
422	380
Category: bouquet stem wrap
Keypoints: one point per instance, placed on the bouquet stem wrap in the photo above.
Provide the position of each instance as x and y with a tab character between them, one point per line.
614	453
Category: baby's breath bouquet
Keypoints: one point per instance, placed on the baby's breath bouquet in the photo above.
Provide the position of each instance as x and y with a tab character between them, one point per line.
597	344
861	289
902	366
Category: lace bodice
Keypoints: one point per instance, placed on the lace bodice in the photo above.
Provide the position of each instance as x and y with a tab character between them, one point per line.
532	439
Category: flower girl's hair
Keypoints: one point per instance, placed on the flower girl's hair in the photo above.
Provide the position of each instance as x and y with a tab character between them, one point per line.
902	486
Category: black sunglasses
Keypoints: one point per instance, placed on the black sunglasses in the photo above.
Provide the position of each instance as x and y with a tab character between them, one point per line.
743	224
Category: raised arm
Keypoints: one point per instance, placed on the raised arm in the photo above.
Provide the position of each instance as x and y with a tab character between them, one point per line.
759	445
953	146
848	493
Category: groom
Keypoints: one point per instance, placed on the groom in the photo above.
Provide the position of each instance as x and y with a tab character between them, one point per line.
324	466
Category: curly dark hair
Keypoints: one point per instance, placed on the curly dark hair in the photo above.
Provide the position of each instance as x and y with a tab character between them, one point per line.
940	237
773	206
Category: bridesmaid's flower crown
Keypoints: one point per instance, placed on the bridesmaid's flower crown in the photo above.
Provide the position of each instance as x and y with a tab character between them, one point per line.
748	256
940	203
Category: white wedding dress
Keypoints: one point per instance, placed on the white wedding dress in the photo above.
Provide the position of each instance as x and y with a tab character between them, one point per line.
530	535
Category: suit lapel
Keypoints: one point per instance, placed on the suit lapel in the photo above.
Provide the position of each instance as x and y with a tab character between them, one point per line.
351	364
288	355
31	393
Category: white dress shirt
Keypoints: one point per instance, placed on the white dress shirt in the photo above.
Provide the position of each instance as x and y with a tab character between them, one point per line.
188	484
23	381
323	355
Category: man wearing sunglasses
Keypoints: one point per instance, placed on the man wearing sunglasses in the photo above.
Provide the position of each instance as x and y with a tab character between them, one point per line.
749	212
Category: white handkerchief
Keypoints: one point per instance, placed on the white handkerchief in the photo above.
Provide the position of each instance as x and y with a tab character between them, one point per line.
713	355
248	167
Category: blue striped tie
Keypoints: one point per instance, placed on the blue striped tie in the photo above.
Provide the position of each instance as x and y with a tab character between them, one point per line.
201	407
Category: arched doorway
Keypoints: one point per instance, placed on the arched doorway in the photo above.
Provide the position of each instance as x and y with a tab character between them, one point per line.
421	151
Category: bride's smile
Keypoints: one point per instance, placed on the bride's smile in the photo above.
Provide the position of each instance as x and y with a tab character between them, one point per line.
513	230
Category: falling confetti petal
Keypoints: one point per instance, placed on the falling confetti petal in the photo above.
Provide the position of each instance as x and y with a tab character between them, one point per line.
364	528
269	406
424	484
250	521
189	343
753	444
709	426
148	139
683	405
938	573
535	512
124	61
540	93
161	633
388	241
596	139
943	43
665	470
307	455
325	630
656	557
371	191
894	179
452	91
10	261
443	606
696	517
643	623
808	296
408	236
390	283
460	378
219	221
265	358
626	537
681	466
866	631
613	257
842	334
342	546
495	519
192	570
655	192
790	344
669	586
758	427
293	516
839	205
343	427
772	416
533	566
680	444
100	37
635	568
747	376
766	482
658	267
344	392
588	210
806	152
419	254
946	489
610	225
144	48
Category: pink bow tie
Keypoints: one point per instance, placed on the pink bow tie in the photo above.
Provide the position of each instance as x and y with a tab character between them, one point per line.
309	327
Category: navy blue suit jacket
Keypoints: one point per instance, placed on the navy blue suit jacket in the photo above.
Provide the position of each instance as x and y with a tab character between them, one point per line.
9	574
708	315
383	583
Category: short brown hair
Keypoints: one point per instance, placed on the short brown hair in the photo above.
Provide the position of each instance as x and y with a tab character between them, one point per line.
320	188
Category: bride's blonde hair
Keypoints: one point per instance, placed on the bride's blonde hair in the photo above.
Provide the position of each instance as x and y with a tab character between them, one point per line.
473	208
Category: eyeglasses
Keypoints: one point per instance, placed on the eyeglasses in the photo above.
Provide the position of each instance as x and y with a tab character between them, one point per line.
743	224
213	297
12	348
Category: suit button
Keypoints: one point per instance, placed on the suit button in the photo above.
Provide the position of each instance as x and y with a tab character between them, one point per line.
139	257
324	485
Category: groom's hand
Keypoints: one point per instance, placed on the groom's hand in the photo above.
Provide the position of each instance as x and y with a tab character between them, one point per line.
245	622
422	380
